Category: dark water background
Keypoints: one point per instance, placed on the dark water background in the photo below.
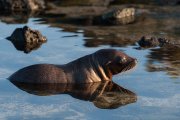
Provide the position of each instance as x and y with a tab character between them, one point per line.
155	80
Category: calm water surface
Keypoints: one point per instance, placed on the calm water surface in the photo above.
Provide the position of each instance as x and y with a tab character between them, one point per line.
155	80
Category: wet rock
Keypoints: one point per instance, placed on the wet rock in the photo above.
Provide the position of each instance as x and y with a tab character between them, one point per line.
119	13
22	5
119	16
149	41
26	39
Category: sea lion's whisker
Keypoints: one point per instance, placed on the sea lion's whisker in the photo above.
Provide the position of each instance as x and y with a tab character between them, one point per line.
129	66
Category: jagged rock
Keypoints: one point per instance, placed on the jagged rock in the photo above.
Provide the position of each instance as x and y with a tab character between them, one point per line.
119	13
26	39
149	41
119	16
22	5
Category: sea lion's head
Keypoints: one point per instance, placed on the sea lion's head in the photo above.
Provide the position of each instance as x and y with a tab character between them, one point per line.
114	61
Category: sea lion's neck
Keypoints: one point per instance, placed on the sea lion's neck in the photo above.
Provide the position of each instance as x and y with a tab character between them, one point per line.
102	70
89	66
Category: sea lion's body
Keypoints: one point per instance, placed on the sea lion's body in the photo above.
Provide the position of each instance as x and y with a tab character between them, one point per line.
99	66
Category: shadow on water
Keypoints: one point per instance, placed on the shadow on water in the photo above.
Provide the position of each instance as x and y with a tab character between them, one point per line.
104	95
164	59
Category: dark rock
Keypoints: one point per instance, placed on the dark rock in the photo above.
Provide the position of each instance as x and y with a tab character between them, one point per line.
22	5
147	41
119	13
26	39
164	41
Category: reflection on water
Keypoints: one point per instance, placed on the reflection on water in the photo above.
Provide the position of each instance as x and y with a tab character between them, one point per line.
27	47
15	17
105	95
112	41
165	59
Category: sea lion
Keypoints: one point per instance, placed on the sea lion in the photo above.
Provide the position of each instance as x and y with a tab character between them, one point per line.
104	95
99	66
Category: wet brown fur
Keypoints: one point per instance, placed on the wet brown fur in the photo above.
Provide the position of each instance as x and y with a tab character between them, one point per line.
99	66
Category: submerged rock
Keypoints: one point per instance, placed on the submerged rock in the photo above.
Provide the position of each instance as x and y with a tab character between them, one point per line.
22	5
26	39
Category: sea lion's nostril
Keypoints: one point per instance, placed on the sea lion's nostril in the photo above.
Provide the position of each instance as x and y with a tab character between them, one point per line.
134	60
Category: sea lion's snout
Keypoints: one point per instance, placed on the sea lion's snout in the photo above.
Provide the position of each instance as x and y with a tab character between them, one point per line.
121	62
131	63
132	60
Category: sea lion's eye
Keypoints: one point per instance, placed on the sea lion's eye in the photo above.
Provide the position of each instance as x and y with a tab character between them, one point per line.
123	60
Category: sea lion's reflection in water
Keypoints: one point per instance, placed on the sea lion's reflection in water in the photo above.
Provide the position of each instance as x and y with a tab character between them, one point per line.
104	95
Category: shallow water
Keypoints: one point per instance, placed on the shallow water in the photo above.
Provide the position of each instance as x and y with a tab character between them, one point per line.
155	80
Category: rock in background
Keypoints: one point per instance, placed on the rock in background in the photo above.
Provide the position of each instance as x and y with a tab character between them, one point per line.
22	5
26	39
